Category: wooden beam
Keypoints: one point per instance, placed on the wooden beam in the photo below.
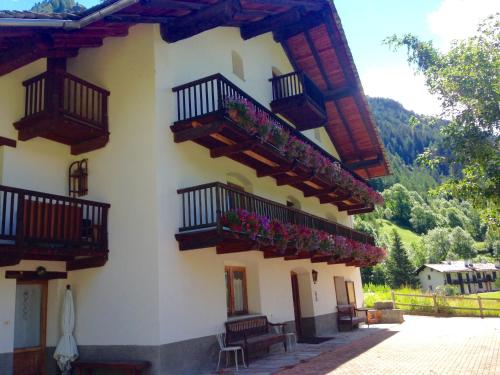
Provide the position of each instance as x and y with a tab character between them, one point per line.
33	275
7	142
80	264
318	193
312	19
233	149
339	93
173	4
346	207
136	18
364	163
361	211
199	21
337	199
270	23
290	180
266	172
199	132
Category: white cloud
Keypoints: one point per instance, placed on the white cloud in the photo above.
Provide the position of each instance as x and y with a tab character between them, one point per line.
401	84
458	19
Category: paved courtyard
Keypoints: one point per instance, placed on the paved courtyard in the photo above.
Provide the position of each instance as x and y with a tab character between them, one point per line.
421	345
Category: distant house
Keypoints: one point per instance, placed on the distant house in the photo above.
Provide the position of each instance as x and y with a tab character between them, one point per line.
470	277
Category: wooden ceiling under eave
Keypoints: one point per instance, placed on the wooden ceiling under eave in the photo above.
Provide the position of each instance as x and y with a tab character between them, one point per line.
320	50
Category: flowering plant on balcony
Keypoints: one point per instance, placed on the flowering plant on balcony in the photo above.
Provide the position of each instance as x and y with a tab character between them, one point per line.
301	238
258	122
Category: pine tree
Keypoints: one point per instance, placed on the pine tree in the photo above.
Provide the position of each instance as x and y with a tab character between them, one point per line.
399	268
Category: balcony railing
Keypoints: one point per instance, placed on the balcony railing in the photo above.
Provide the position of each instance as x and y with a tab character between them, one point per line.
35	225
65	108
202	118
203	206
299	100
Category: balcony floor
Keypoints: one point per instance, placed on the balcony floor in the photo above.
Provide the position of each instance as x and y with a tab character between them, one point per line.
63	128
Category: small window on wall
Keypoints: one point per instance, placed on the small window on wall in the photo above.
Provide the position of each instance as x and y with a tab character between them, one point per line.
428	277
276	72
236	290
293	202
317	134
238	69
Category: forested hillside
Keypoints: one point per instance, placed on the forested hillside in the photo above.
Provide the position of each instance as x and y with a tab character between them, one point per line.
403	143
57	6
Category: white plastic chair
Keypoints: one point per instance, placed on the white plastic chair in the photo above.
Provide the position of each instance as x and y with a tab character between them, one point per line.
221	339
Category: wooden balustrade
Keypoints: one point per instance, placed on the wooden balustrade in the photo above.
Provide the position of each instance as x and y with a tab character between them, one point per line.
202	118
203	205
62	107
299	100
47	226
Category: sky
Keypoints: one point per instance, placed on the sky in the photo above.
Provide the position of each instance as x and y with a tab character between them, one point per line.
367	22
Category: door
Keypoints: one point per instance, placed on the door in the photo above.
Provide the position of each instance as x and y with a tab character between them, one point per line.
296	304
340	290
29	327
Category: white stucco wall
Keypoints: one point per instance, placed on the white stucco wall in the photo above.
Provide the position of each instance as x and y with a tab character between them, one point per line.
149	292
437	278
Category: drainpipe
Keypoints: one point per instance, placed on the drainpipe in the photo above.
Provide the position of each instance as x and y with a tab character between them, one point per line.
68	24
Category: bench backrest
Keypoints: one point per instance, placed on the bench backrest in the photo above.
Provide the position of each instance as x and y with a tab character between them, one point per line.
346	310
246	327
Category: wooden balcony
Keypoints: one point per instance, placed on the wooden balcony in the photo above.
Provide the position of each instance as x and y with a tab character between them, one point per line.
204	205
42	226
299	100
65	109
202	118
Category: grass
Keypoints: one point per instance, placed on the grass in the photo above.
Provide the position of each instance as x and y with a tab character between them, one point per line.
425	302
407	236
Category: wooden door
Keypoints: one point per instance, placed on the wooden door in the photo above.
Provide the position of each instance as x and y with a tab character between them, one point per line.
340	290
29	328
296	304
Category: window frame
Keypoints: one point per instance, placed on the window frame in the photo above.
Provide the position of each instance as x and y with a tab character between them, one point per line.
229	270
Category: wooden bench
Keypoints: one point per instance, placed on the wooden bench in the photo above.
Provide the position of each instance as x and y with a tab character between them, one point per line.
347	316
254	334
128	367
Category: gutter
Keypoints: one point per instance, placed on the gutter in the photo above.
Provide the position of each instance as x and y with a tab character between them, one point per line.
68	24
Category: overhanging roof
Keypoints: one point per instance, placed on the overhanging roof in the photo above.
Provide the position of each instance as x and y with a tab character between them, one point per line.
309	30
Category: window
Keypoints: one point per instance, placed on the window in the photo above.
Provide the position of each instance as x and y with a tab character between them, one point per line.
293	202
428	277
276	72
317	134
237	65
236	290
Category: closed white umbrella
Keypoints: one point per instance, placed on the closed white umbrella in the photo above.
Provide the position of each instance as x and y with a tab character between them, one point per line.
66	350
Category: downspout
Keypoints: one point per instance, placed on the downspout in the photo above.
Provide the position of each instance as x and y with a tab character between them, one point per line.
68	24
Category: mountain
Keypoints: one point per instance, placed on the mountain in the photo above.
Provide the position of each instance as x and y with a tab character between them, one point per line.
403	143
57	6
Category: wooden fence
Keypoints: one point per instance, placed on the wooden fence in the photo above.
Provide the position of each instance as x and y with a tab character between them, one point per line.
439	303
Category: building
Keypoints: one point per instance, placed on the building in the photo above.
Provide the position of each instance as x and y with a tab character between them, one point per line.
469	277
133	131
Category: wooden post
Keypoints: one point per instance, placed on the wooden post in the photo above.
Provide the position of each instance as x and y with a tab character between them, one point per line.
480	303
434	299
393	299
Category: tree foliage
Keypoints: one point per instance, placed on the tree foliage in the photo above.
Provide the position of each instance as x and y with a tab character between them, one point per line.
57	6
399	269
466	79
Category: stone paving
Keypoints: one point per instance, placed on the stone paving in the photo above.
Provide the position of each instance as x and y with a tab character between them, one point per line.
421	345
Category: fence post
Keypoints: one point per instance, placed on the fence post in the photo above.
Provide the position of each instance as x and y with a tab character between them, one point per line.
480	303
393	299
434	299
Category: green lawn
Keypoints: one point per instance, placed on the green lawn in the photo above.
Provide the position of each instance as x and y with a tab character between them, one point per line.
373	293
407	236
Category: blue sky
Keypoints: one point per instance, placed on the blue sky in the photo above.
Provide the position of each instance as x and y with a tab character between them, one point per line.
367	22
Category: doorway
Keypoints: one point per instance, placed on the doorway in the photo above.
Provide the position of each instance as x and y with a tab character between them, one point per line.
296	304
30	324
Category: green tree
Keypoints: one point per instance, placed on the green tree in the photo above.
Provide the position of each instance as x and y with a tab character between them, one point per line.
398	201
422	219
462	244
399	270
57	6
466	79
437	244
